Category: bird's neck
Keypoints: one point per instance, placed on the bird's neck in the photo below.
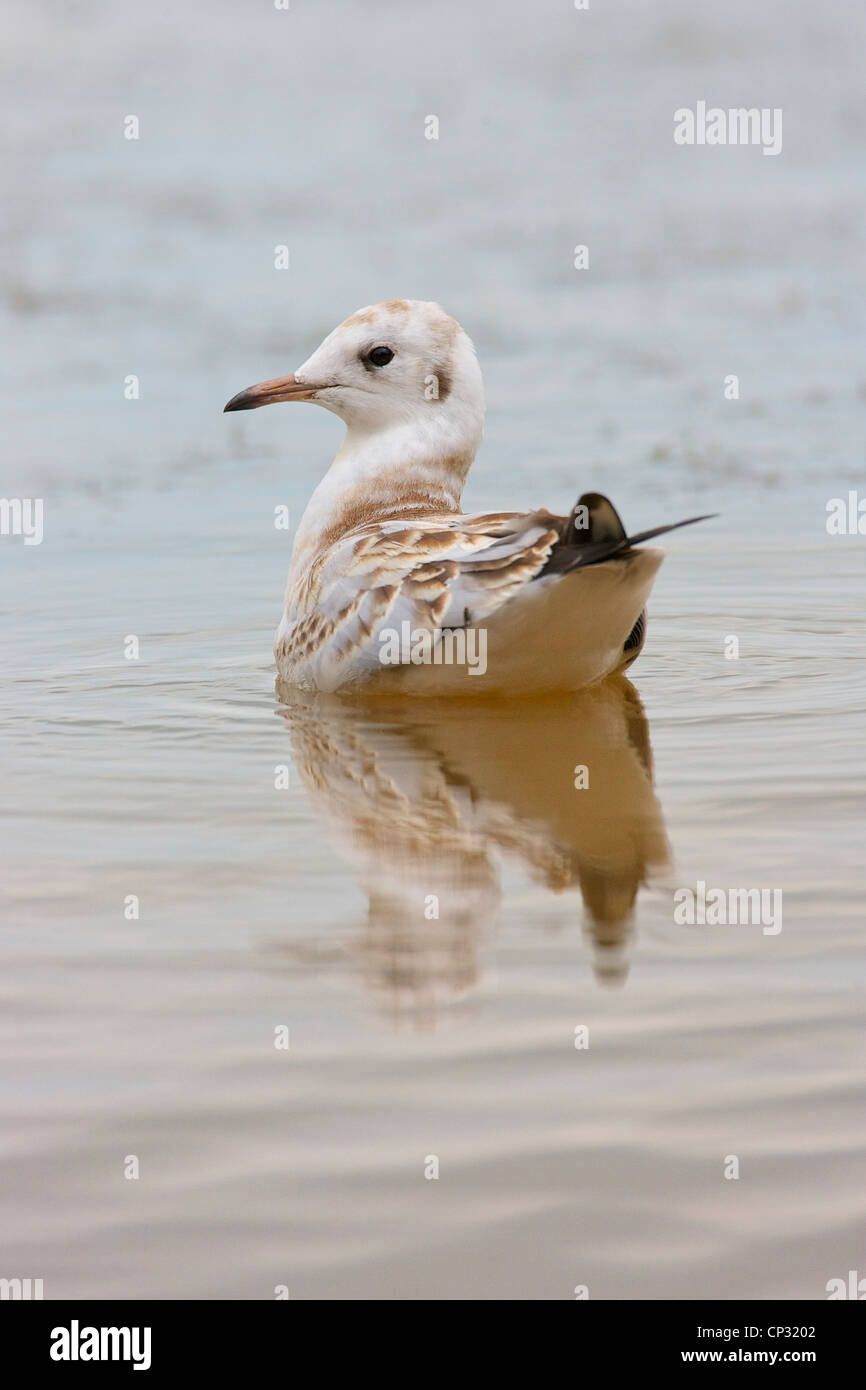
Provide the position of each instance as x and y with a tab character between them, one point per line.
406	470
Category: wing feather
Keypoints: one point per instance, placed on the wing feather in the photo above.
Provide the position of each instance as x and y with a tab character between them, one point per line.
441	571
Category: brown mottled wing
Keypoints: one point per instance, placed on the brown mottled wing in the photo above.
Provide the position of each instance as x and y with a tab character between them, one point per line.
440	571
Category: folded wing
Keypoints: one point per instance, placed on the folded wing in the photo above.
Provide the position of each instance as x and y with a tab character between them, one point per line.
439	571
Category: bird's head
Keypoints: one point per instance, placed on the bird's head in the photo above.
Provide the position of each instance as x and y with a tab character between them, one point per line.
402	362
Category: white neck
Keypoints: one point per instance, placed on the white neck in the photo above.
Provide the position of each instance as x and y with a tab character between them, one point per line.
416	465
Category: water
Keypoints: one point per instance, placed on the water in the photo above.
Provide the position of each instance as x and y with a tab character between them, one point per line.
304	907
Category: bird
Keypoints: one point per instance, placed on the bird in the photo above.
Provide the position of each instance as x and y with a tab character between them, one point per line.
391	585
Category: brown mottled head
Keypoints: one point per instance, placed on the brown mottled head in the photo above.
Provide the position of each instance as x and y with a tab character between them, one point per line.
391	363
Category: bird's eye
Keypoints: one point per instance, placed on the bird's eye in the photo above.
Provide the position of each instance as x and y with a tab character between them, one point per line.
380	356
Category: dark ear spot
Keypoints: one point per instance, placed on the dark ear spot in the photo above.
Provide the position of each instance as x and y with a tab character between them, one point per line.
443	380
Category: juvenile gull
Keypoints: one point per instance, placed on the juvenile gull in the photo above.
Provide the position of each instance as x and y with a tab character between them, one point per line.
384	558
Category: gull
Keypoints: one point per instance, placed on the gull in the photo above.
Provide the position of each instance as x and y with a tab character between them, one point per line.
391	584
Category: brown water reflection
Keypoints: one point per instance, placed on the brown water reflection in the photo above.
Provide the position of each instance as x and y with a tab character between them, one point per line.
426	798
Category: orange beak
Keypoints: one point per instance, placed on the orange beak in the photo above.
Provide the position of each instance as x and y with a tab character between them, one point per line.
281	388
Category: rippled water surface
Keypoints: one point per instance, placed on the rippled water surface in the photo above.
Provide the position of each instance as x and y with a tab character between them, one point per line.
304	898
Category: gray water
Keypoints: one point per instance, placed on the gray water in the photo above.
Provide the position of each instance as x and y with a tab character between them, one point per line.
304	907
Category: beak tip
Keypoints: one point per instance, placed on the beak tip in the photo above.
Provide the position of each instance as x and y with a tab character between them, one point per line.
285	388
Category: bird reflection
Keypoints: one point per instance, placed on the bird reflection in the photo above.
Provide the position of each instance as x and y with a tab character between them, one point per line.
427	795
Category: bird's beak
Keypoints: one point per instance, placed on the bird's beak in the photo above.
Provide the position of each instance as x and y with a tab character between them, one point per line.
281	388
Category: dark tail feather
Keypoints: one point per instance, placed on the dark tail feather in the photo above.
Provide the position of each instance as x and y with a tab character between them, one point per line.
594	532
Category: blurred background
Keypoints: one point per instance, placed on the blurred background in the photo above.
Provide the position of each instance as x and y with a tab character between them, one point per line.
303	906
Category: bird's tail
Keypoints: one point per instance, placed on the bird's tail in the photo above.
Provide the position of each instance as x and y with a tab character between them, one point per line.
594	532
